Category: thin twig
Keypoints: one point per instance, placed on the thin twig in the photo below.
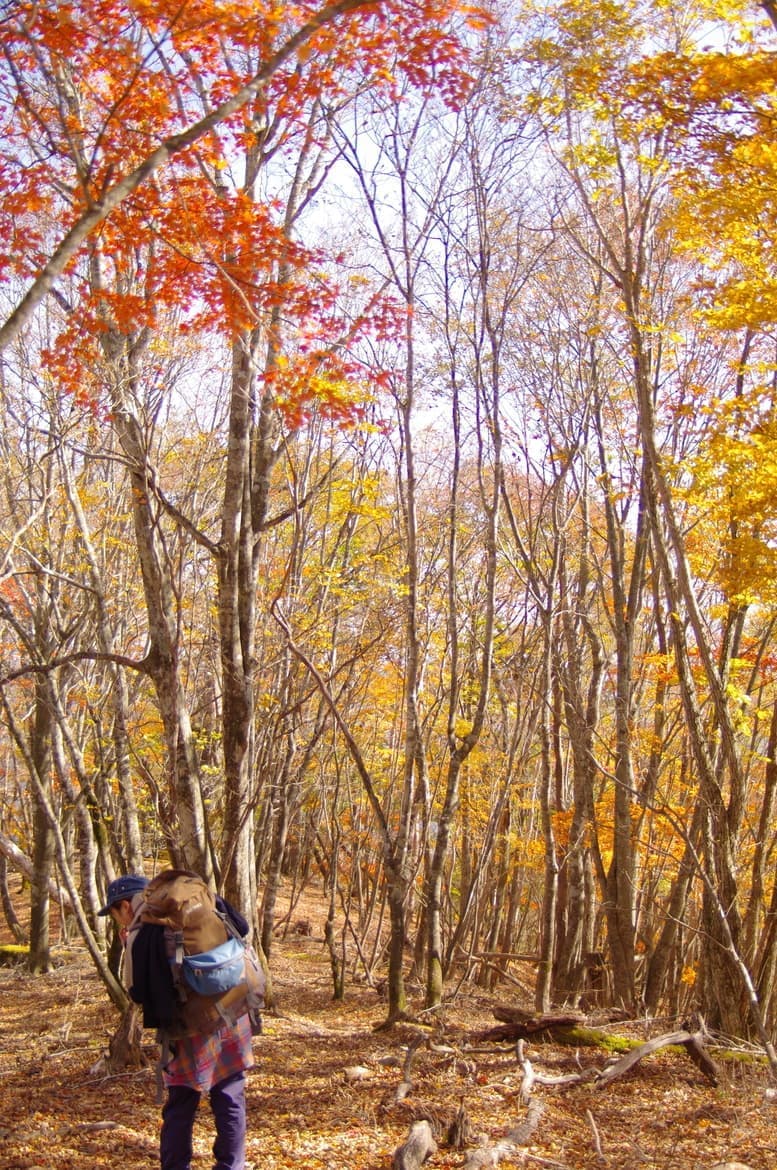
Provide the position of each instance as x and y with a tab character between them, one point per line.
597	1140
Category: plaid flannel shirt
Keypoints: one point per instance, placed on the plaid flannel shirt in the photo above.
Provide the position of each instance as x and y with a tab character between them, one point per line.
200	1062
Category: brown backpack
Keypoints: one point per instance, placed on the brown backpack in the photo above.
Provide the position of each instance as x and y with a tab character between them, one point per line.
217	975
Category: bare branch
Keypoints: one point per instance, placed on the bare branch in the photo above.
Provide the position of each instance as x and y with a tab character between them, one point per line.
144	665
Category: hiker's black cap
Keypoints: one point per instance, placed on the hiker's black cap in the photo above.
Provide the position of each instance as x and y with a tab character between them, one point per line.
121	888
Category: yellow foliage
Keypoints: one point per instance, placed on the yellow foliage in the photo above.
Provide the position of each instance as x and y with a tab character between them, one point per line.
702	114
734	492
462	728
718	111
562	824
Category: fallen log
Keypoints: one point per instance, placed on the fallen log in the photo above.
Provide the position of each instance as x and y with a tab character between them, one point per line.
568	1034
515	1015
520	1025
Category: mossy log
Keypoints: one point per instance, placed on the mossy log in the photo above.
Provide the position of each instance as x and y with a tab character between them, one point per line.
570	1030
559	1028
13	953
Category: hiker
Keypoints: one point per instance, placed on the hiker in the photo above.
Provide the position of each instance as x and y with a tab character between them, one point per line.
213	1063
121	902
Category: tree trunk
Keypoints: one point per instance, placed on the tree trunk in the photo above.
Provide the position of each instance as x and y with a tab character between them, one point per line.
43	836
659	961
581	697
125	1048
183	810
720	974
185	814
14	925
627	586
243	514
132	848
280	798
548	940
462	743
397	995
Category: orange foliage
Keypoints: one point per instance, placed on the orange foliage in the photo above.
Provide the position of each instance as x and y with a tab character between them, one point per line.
89	92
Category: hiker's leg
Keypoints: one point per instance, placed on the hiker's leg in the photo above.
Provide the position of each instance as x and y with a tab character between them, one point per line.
178	1112
228	1102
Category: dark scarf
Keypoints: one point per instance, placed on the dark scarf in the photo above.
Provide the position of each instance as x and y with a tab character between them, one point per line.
152	977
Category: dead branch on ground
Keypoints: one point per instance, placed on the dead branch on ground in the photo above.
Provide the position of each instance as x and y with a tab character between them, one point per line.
692	1042
510	1145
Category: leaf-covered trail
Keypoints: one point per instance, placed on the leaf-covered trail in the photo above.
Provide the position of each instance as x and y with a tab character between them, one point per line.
323	1094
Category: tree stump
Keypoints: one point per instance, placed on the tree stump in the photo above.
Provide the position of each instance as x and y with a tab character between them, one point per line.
125	1049
459	1132
418	1146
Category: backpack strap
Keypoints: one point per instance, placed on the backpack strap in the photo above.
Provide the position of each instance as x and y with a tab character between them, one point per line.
177	965
230	927
166	1054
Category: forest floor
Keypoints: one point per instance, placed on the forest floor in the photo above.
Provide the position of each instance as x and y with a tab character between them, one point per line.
323	1095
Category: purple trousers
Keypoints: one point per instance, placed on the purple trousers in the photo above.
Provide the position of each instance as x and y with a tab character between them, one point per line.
227	1100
